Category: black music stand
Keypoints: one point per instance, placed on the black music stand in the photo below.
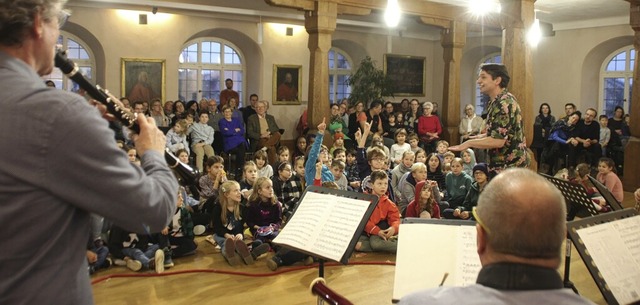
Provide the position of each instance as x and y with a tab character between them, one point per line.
606	194
572	229
576	197
346	253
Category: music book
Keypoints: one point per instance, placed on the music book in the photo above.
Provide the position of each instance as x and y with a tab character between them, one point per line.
609	244
327	223
429	248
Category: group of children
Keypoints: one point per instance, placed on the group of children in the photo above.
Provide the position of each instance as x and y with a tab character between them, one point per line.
408	181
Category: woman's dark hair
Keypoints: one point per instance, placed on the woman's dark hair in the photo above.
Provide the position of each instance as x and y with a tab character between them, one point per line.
176	104
191	103
578	113
544	104
497	70
616	109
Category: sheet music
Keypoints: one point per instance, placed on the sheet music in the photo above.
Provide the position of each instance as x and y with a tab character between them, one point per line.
467	254
427	251
615	247
323	224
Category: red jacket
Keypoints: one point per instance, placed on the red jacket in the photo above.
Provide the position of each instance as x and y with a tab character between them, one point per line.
385	210
413	210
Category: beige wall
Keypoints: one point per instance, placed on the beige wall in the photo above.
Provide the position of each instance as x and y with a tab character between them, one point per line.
566	67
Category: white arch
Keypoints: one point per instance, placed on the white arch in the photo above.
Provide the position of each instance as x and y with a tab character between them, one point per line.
194	72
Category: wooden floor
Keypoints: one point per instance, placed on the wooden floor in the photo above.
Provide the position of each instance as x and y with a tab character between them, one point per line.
206	278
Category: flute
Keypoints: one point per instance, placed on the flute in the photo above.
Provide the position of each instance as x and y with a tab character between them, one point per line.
324	293
186	174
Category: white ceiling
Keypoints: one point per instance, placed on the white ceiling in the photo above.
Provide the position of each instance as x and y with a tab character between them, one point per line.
562	14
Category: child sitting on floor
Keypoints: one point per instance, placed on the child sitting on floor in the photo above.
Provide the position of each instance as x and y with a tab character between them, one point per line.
228	226
264	169
264	211
607	176
380	232
424	204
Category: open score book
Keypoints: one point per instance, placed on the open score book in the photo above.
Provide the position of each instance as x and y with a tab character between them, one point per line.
326	226
429	248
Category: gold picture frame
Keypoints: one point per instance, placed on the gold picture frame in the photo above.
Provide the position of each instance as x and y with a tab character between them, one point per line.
287	81
407	73
143	79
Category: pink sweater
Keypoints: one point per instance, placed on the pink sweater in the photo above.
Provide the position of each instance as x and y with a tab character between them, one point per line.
613	183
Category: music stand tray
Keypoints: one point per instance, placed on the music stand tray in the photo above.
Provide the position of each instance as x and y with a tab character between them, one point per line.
574	194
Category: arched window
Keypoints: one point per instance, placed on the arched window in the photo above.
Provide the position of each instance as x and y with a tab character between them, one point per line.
339	71
80	54
204	65
481	99
616	80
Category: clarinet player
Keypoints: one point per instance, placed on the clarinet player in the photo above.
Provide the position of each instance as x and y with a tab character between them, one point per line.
59	163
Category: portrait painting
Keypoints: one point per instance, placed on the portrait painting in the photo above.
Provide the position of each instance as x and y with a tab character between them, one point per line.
143	79
407	73
287	83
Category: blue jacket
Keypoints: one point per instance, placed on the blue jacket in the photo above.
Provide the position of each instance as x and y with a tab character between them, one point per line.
310	166
232	138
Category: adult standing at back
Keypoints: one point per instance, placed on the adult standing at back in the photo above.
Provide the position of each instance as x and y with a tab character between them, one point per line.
504	137
520	254
541	130
51	178
228	93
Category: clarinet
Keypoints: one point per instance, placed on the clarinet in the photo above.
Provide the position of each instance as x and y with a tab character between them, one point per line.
186	174
326	294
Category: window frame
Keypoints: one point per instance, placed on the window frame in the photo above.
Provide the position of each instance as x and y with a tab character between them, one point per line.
627	75
66	83
335	72
222	67
479	104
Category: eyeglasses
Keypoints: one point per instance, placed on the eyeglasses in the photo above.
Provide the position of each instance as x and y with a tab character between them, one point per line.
478	220
63	16
378	159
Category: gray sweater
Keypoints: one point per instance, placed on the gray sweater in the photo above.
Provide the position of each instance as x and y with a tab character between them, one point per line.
59	163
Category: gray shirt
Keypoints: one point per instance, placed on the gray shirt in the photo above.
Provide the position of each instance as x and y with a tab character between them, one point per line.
503	283
59	163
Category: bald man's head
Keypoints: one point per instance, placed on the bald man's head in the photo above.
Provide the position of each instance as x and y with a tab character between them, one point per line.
524	214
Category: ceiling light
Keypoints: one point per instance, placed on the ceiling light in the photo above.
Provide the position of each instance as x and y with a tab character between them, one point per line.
534	35
484	7
392	13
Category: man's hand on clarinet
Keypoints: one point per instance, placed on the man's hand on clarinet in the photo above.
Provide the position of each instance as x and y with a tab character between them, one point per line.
150	137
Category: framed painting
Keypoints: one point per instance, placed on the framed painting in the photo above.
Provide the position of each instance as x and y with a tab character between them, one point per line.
143	79
407	73
287	81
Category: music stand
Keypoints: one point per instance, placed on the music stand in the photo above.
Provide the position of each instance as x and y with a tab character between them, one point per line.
372	202
575	196
572	229
606	194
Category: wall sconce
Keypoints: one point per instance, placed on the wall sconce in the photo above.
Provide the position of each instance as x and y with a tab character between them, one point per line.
289	31
154	10
142	19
